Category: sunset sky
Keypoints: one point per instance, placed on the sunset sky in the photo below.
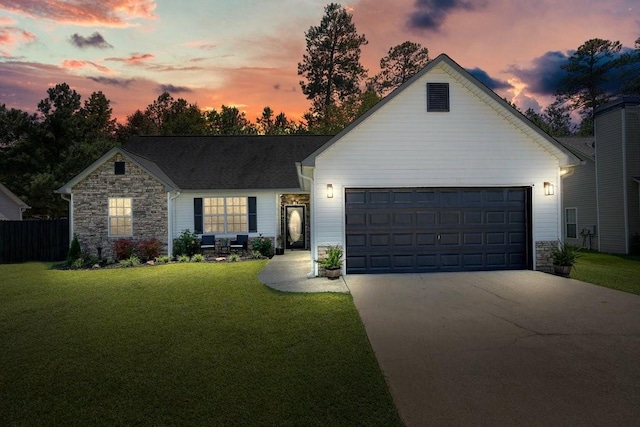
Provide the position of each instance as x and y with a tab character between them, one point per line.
245	52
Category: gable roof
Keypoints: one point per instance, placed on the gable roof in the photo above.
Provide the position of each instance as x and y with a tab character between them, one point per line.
580	145
15	199
477	87
216	162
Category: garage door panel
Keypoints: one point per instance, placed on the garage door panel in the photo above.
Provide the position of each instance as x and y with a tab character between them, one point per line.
473	218
473	260
379	240
426	239
498	260
379	218
404	219
448	239
423	230
450	218
496	238
473	238
426	218
356	219
405	239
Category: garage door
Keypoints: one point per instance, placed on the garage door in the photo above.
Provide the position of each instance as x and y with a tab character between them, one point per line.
395	230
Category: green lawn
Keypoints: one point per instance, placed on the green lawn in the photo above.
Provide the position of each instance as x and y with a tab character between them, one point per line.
612	271
181	344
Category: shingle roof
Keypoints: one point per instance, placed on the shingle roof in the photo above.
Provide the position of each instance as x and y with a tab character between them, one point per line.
583	146
227	162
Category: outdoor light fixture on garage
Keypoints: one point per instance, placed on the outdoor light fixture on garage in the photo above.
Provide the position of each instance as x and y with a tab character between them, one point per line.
330	191
548	189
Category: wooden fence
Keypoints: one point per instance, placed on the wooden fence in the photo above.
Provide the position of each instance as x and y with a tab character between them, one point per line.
37	240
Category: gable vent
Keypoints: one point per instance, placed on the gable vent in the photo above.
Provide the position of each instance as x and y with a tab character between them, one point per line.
118	168
437	97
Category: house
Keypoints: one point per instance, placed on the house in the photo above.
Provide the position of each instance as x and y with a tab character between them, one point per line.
602	201
441	175
11	207
159	186
579	207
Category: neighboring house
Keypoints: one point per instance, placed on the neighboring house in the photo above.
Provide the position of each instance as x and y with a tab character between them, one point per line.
11	207
601	200
159	186
580	210
441	175
618	174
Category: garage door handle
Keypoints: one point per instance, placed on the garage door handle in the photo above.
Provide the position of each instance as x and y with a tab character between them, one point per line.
438	237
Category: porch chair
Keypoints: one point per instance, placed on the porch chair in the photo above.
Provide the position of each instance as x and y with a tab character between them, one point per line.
208	242
241	243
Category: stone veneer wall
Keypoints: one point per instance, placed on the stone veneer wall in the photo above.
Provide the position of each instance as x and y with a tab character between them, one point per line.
296	199
91	203
543	255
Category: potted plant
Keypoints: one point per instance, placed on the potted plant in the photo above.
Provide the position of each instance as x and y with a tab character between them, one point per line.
564	257
332	262
279	247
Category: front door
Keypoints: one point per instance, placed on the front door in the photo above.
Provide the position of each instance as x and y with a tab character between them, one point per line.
295	238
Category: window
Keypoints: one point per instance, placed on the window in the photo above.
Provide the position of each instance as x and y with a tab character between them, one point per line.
118	168
437	97
120	215
571	222
222	214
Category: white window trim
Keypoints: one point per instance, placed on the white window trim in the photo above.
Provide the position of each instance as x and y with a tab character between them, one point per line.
225	215
109	217
566	223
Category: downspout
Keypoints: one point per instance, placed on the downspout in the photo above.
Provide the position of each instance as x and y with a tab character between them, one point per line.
625	194
70	201
170	221
312	215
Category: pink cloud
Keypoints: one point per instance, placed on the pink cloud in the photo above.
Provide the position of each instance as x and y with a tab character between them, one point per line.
75	64
10	37
13	35
133	59
110	13
201	45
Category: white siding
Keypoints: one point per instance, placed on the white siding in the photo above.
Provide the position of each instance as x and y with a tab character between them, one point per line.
8	208
267	210
401	145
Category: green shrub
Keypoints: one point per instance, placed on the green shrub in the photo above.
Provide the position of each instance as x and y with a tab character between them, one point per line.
163	259
197	258
132	261
183	258
332	259
78	263
565	254
256	255
75	251
185	244
233	258
263	245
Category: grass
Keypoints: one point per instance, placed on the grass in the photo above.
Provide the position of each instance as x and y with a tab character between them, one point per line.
619	272
181	344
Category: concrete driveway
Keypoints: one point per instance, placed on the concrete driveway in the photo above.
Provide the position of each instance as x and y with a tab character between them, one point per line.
503	348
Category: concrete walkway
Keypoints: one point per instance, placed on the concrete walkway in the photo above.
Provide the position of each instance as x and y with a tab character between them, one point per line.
288	273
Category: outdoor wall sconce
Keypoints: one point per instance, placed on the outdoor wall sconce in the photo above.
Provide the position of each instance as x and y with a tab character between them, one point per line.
548	189
330	191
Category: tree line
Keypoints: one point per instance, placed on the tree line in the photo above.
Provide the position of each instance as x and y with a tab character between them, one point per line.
39	152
